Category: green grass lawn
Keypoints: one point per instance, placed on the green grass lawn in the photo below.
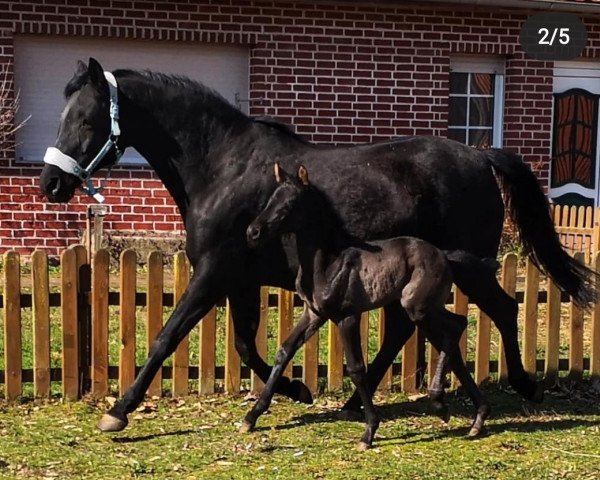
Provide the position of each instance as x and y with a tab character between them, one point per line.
197	438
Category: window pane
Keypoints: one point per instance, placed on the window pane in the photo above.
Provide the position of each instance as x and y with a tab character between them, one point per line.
482	84
458	111
458	82
480	112
458	134
480	138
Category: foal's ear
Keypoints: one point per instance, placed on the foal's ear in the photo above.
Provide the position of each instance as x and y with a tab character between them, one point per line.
303	175
279	173
81	68
96	73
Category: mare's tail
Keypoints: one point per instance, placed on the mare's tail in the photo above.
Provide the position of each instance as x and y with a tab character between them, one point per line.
530	212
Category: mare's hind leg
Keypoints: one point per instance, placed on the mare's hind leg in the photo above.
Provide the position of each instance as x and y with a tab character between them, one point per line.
308	324
398	328
245	312
350	332
481	286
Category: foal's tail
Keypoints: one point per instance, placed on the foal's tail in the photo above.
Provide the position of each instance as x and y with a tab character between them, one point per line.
530	212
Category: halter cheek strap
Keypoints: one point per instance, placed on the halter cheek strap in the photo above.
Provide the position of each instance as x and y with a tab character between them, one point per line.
69	165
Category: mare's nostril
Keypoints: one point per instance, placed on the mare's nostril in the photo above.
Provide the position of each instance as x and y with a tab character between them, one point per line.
253	232
53	185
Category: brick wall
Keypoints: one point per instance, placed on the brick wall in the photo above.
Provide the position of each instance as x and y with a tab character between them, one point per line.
339	72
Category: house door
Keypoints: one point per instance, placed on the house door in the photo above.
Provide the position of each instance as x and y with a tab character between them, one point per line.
575	133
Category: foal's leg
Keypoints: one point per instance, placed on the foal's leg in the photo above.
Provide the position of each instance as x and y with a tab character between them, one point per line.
201	294
481	286
245	312
398	329
350	332
308	324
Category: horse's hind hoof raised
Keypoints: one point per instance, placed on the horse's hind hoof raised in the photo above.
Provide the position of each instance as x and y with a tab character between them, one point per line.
246	427
476	432
108	423
300	392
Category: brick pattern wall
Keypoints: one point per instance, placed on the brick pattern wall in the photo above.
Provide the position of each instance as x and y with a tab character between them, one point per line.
339	72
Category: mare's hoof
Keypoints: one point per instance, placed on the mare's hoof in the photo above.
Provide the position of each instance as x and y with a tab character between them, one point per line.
363	446
350	415
476	432
108	423
246	427
538	394
300	392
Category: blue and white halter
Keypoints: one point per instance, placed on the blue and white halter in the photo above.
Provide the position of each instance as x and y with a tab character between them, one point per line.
68	164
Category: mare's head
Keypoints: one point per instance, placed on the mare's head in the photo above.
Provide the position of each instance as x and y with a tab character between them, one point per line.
285	210
85	127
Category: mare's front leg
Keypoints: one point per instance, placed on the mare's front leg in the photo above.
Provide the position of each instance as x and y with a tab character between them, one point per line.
350	333
204	290
308	324
244	302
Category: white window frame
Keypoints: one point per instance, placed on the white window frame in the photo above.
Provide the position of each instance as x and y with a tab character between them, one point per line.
484	64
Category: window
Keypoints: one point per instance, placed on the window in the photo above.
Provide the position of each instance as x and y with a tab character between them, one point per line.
476	102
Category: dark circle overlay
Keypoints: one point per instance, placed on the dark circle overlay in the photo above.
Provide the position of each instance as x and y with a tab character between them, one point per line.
553	36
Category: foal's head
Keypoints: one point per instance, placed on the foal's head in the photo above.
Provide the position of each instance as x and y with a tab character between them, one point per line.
285	210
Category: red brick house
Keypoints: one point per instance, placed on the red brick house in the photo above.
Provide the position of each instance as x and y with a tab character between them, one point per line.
339	71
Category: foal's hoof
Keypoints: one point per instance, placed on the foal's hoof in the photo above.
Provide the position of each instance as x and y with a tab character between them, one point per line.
246	427
300	392
441	410
363	446
349	415
108	423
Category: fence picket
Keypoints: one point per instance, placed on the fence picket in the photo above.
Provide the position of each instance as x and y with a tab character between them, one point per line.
335	358
232	359
40	291
409	363
154	309
552	332
84	316
532	284
461	307
127	320
576	336
12	325
310	370
285	322
261	337
208	341
509	284
70	333
595	327
181	358
482	348
386	381
100	284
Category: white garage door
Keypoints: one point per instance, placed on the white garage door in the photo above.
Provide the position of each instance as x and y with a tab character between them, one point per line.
43	66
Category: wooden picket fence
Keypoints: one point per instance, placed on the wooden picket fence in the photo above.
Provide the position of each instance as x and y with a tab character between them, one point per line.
83	300
578	228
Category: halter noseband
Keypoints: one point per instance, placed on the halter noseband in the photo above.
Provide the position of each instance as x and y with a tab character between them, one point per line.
68	164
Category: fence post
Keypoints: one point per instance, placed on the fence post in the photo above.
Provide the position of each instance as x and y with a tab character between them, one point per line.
576	336
335	358
596	231
127	320
70	327
532	284
12	325
285	323
310	370
261	337
40	291
552	332
100	280
509	284
595	334
386	381
461	307
232	359
181	358
84	316
154	308
207	341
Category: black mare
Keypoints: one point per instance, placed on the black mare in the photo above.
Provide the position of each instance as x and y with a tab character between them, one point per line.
216	162
340	278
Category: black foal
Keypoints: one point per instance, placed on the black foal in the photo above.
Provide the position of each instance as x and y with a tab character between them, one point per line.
339	279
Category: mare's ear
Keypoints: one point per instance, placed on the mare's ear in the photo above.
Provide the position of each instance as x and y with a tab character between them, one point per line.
280	175
96	73
303	175
81	68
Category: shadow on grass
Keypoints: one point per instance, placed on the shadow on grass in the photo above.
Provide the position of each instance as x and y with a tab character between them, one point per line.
152	436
